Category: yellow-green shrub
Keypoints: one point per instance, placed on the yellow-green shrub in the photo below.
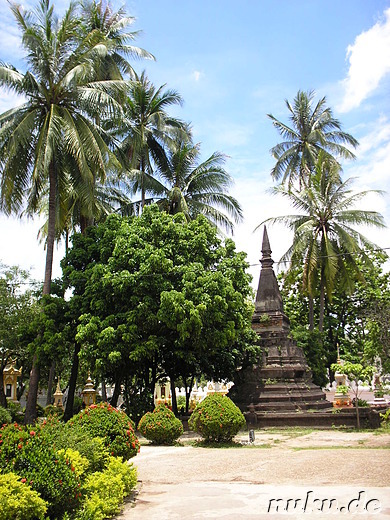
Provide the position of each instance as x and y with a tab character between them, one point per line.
18	501
105	491
79	462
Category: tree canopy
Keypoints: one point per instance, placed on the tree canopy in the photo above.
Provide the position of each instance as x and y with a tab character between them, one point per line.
160	296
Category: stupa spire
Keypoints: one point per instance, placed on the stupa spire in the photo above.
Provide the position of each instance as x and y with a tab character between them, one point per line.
268	297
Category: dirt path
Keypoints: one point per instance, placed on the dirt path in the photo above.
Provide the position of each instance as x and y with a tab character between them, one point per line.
190	482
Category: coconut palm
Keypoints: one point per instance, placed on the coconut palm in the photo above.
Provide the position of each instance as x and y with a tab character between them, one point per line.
313	129
325	241
100	21
52	139
147	129
192	187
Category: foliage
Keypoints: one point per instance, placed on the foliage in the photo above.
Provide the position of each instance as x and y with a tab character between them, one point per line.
312	344
385	418
17	308
325	241
162	298
114	426
24	451
313	130
79	463
192	187
217	418
18	501
160	426
5	416
105	491
356	373
14	408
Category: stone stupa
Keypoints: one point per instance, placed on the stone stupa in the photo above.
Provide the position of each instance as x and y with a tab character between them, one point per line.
281	382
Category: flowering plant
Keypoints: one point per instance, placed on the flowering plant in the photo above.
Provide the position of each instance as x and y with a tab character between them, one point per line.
217	418
160	426
113	425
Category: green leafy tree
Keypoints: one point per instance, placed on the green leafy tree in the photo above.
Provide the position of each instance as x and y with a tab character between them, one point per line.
17	308
193	187
313	129
325	241
165	298
357	323
357	373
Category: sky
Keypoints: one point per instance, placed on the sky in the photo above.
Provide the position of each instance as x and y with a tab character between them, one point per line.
234	62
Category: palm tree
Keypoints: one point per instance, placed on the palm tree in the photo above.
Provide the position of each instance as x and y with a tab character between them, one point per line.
52	139
192	187
147	129
325	242
100	21
313	129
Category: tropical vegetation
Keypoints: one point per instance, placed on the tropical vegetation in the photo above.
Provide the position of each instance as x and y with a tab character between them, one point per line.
313	129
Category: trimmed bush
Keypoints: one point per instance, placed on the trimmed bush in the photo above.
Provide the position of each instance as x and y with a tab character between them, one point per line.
26	453
114	426
217	419
18	501
5	416
160	426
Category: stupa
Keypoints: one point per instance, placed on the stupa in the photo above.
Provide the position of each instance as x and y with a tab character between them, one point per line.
281	382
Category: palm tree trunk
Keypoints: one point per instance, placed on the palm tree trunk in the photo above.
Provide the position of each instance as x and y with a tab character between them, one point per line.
311	313
322	309
31	404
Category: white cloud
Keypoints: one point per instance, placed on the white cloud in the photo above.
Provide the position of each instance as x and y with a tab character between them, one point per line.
369	63
197	75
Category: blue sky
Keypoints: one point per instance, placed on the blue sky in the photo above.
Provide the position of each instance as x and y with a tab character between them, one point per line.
234	62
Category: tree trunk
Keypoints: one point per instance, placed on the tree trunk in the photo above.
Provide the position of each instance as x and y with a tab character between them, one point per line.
32	397
104	391
173	396
3	399
49	396
117	392
31	404
311	313
72	384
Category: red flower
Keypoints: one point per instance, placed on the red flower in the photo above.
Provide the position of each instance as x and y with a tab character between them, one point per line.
20	446
32	433
23	480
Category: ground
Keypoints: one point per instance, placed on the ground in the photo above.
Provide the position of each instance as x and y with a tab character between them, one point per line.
189	482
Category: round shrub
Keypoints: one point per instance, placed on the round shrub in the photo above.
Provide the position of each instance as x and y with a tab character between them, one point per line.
160	426
217	419
51	474
5	416
18	500
114	426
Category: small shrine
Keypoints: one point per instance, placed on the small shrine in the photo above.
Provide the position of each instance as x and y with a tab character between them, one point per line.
58	396
341	396
162	393
10	378
89	392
